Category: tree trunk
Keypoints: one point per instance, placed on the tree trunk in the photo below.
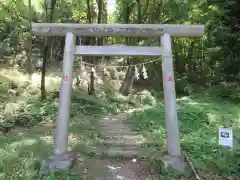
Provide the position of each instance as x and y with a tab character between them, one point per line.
89	17
99	20
105	12
48	41
102	16
178	66
92	15
44	67
91	87
124	89
127	85
29	56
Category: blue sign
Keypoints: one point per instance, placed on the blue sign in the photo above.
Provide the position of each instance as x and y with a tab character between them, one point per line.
225	134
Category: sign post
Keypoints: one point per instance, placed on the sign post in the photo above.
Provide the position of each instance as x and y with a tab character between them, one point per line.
225	137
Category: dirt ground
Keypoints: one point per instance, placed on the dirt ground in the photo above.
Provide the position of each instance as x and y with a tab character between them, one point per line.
113	169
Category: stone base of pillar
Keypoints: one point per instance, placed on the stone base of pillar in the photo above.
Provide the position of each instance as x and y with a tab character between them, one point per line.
176	163
57	162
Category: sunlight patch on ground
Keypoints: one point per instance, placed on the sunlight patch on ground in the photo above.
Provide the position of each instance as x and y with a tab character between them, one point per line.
197	103
212	117
138	110
75	139
24	142
185	98
51	80
47	139
190	101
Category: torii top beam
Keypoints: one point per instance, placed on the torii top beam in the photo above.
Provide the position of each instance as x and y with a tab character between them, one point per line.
134	30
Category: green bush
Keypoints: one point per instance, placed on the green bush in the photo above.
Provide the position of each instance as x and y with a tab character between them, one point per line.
199	120
29	113
143	98
226	90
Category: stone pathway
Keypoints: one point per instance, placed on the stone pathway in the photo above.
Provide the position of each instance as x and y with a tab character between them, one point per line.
120	155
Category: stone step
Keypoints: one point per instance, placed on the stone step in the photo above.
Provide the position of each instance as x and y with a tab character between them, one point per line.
121	142
117	130
125	130
121	137
141	153
130	142
111	121
117	126
120	129
125	136
114	123
113	133
116	148
115	118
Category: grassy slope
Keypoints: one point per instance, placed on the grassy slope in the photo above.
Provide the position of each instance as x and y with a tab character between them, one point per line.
22	149
199	119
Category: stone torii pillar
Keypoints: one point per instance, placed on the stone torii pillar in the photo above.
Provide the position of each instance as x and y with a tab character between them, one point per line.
61	158
174	157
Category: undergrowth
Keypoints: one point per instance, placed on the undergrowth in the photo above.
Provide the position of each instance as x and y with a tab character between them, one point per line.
28	137
32	130
28	126
225	90
199	118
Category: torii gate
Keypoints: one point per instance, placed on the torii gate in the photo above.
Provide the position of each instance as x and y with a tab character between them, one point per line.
61	158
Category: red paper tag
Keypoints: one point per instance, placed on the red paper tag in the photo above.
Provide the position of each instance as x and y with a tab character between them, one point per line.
65	78
170	78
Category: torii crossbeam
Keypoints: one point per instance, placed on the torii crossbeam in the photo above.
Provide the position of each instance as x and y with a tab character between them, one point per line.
133	30
61	158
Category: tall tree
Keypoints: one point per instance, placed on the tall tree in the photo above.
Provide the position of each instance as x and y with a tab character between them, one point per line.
93	18
29	55
49	8
127	84
29	50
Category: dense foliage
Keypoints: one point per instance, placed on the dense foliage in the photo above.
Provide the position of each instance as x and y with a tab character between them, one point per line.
206	61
